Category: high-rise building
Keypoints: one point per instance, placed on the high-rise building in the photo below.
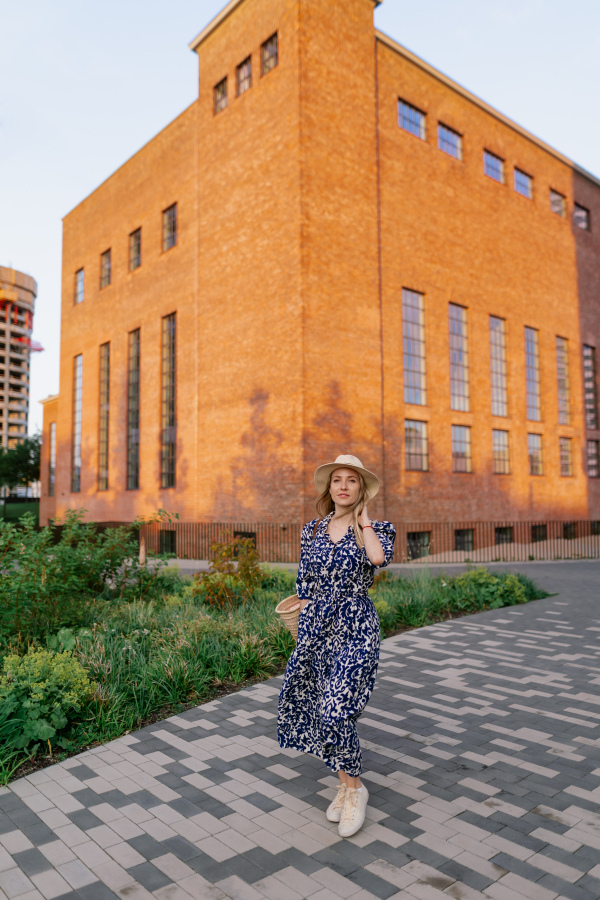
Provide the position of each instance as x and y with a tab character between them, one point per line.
334	249
17	302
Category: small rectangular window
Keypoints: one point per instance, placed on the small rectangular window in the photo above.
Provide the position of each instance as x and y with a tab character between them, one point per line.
581	217
558	203
461	449
534	452
569	531
105	269
564	383
464	539
459	358
244	76
76	419
169	227
566	457
523	184
498	375
78	295
104	400
503	535
593	459
500	451
539	533
416	449
493	166
590	386
135	249
449	141
220	93
418	544
133	410
532	375
269	54
52	460
411	119
413	340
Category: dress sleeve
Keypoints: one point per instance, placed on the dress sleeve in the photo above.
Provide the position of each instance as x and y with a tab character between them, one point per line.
304	575
386	532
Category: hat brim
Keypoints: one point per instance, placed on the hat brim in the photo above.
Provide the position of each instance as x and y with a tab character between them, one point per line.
323	472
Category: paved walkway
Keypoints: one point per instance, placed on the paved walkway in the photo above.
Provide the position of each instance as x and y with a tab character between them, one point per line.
482	753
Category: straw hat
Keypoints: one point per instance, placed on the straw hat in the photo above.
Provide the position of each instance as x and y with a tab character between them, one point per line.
347	462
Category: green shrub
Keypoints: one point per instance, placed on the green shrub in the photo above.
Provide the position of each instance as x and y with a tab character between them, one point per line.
481	590
423	599
234	573
46	585
278	579
43	691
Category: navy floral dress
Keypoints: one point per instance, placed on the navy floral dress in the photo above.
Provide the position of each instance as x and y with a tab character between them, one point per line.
330	675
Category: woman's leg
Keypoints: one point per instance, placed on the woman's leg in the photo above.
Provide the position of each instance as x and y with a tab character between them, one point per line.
350	780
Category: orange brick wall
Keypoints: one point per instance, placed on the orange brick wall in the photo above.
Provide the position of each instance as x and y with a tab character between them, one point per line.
340	277
456	235
249	354
289	329
162	173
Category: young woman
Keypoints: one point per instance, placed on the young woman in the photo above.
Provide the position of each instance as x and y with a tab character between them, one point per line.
330	674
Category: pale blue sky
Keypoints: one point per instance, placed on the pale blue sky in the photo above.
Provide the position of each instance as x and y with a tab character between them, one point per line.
85	85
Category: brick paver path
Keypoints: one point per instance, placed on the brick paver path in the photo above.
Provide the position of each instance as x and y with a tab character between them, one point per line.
482	758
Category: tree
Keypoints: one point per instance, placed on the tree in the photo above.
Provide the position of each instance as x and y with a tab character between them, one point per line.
20	465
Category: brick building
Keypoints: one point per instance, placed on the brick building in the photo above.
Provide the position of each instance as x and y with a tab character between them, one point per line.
334	249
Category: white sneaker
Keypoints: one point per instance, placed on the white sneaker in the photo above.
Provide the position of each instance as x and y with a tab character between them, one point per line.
353	813
334	810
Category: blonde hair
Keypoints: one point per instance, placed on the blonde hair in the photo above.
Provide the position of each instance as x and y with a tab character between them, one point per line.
325	506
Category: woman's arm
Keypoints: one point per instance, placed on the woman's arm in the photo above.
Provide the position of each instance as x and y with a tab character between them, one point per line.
373	547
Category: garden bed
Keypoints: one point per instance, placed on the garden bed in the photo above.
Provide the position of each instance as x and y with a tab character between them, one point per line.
155	644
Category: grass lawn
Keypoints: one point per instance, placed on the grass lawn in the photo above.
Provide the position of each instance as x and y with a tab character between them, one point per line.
149	658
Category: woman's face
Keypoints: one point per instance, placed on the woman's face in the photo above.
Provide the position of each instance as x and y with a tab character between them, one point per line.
344	487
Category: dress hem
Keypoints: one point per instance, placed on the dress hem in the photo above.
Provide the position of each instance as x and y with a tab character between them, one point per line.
331	764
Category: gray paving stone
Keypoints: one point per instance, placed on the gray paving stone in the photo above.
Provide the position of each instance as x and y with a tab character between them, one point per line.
95	891
180	847
147	846
372	883
84	819
39	834
565	889
149	876
32	862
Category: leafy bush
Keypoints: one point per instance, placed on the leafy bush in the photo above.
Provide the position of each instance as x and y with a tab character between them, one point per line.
483	590
234	573
46	585
43	691
423	598
278	579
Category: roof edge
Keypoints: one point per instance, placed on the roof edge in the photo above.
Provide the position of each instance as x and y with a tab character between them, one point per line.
412	57
220	17
49	399
214	23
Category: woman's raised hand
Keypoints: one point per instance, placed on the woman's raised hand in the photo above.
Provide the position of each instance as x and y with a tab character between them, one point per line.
363	518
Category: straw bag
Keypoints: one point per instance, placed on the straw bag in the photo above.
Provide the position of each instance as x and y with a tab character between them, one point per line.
289	610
